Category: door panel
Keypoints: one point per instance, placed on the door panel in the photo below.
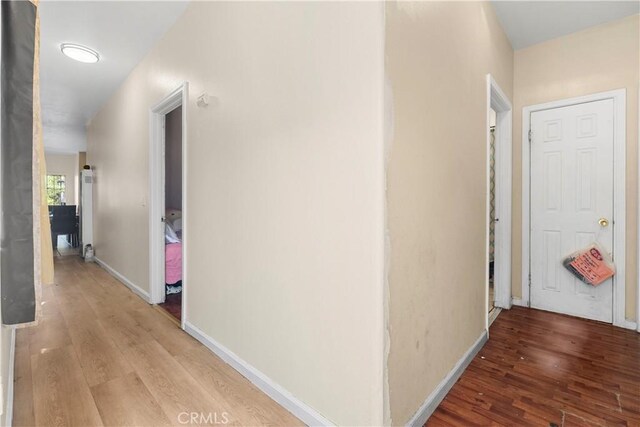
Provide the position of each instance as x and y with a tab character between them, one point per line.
571	189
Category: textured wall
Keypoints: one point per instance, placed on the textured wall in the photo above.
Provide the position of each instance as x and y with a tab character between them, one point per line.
284	227
437	58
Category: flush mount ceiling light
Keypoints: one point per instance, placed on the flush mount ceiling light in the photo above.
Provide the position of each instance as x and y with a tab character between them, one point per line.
80	53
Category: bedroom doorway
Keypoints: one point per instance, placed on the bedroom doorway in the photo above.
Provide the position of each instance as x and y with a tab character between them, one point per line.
173	213
167	215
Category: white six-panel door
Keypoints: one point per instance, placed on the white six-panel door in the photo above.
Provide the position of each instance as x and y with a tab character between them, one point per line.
571	190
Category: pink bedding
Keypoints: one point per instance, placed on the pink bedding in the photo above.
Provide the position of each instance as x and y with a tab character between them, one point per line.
173	263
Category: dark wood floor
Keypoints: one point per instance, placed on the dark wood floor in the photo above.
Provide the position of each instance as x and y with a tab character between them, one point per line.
173	305
546	369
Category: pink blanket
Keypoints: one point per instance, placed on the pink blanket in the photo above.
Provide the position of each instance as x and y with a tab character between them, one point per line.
173	263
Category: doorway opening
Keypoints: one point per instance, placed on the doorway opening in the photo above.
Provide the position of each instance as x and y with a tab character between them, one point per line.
167	210
173	213
498	244
492	207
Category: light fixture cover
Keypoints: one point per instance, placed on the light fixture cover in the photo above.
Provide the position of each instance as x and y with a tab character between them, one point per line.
80	53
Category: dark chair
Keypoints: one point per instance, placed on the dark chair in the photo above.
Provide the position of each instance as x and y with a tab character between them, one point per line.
63	222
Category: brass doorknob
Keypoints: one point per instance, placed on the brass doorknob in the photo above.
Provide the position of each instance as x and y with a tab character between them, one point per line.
603	222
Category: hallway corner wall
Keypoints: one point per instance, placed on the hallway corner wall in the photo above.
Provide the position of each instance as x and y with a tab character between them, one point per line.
437	57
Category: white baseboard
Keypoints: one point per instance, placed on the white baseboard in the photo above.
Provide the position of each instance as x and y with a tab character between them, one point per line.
629	324
518	302
128	283
304	412
440	392
494	315
8	413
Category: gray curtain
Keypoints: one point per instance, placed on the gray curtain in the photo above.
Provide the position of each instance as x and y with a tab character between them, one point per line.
16	150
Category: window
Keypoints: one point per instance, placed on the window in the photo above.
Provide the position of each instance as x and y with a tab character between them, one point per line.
56	187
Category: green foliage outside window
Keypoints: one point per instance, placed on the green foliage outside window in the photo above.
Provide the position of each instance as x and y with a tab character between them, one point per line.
56	187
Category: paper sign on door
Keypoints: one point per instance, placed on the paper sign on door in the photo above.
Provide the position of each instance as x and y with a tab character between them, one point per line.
592	265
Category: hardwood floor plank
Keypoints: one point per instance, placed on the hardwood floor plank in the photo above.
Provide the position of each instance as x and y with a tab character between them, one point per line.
51	333
173	388
126	401
165	332
101	360
61	394
99	356
48	306
244	402
23	414
122	328
571	420
540	368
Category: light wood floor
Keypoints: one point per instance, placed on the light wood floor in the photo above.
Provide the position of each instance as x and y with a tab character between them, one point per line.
102	356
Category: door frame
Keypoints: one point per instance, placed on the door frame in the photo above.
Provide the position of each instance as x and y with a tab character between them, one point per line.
619	194
157	115
499	102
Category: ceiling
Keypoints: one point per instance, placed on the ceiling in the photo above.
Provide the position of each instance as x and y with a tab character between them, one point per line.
124	31
529	22
72	92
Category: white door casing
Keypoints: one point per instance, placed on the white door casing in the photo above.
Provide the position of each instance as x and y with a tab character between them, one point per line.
499	102
572	188
157	113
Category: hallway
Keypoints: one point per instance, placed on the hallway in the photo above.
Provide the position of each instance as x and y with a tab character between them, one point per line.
544	369
102	356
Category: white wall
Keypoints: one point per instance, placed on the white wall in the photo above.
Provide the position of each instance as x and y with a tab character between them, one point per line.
65	164
285	189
